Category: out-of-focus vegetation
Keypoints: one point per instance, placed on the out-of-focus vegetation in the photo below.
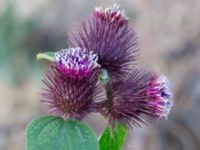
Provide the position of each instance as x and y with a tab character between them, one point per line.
20	40
13	52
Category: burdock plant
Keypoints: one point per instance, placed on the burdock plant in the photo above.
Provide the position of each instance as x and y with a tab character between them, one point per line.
98	73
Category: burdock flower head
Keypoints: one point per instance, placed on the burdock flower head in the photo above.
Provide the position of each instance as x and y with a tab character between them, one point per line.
108	34
70	84
104	47
138	99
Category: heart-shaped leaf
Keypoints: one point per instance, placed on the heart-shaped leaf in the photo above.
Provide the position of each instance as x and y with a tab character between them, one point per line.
54	133
113	138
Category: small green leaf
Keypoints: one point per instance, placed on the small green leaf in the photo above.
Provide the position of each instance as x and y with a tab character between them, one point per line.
104	76
48	56
113	138
54	133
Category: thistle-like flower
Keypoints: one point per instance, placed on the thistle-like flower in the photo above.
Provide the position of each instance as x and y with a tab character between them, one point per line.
70	84
108	34
138	99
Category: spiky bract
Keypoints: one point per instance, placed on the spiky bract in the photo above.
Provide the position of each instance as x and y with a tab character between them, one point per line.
69	97
108	34
138	99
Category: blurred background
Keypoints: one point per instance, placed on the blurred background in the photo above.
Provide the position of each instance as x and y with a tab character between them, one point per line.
169	38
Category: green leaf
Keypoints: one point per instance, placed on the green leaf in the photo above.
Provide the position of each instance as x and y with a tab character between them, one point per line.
113	138
54	133
48	56
104	76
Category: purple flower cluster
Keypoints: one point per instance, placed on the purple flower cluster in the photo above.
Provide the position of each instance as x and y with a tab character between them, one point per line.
105	42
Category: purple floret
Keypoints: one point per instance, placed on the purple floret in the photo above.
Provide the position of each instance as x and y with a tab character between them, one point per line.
76	62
